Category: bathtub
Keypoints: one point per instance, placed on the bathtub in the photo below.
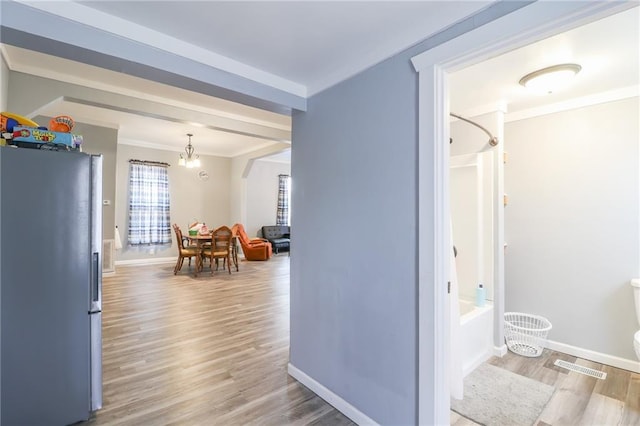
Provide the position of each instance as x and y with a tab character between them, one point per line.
476	329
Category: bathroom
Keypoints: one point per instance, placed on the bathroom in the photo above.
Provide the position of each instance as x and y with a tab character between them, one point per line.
564	240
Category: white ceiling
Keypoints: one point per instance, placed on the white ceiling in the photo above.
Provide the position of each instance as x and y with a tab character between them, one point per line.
313	44
300	47
608	51
213	133
308	46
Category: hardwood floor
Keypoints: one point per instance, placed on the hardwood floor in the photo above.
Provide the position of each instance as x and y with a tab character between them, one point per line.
209	350
213	350
578	399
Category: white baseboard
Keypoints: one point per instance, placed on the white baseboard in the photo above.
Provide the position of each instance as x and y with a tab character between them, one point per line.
338	403
614	361
148	261
500	350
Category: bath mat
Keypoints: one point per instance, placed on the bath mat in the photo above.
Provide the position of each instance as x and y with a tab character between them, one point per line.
497	397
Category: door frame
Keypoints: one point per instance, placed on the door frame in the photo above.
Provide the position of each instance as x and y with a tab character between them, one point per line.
529	24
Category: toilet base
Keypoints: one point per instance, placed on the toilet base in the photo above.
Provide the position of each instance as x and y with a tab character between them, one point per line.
636	343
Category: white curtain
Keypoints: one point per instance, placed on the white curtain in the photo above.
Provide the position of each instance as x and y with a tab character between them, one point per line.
455	357
149	203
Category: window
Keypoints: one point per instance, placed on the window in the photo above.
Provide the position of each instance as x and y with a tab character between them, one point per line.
283	214
149	221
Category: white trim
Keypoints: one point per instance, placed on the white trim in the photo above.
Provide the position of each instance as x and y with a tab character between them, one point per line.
148	261
218	111
584	101
433	257
500	351
126	29
614	361
498	233
529	24
464	160
334	400
153	145
524	26
483	109
5	56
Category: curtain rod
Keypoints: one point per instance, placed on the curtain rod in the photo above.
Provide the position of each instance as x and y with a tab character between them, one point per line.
493	141
150	163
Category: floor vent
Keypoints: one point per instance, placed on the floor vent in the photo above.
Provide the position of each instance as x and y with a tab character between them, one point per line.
108	264
580	369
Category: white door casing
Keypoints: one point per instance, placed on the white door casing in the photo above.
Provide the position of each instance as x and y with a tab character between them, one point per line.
520	28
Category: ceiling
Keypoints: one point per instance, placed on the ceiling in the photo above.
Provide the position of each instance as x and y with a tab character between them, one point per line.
608	51
312	44
301	47
305	47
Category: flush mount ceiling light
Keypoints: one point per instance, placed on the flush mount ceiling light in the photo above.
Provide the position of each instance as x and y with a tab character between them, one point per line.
191	160
550	79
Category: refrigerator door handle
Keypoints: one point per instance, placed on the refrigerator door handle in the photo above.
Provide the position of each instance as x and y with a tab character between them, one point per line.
95	282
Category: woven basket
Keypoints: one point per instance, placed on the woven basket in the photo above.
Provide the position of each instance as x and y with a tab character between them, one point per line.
526	334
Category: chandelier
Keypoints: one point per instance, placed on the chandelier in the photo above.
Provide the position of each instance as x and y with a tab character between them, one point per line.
191	160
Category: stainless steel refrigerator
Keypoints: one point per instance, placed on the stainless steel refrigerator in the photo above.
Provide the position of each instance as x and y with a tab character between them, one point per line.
50	286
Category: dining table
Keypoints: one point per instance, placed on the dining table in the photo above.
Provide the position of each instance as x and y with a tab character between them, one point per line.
200	240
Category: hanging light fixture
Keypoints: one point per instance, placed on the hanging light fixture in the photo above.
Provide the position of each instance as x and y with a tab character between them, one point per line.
191	160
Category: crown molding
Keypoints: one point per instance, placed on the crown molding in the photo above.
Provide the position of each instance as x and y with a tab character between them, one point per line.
99	20
581	102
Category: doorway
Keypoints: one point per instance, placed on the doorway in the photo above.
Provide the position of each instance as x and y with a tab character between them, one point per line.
527	25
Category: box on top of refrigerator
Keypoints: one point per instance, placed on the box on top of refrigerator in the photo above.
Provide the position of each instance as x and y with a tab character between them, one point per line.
39	136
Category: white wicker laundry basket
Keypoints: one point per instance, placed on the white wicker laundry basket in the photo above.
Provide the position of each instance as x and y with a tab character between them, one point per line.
526	334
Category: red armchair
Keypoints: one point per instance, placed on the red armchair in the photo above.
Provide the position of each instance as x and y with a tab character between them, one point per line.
253	248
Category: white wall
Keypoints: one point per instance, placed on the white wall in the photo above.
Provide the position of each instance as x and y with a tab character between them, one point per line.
262	194
191	198
572	223
471	192
473	219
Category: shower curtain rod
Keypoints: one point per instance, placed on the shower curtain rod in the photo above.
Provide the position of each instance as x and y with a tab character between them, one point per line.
493	141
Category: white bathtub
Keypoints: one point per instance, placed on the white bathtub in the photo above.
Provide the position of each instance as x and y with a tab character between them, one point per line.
476	340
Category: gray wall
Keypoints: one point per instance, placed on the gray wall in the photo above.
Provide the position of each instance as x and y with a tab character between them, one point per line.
191	198
262	194
353	275
99	140
354	271
353	282
572	223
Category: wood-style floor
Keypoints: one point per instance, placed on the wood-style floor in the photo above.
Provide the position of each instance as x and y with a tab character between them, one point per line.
578	399
213	350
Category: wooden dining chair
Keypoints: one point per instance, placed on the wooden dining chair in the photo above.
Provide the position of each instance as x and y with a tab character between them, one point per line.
184	250
220	248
